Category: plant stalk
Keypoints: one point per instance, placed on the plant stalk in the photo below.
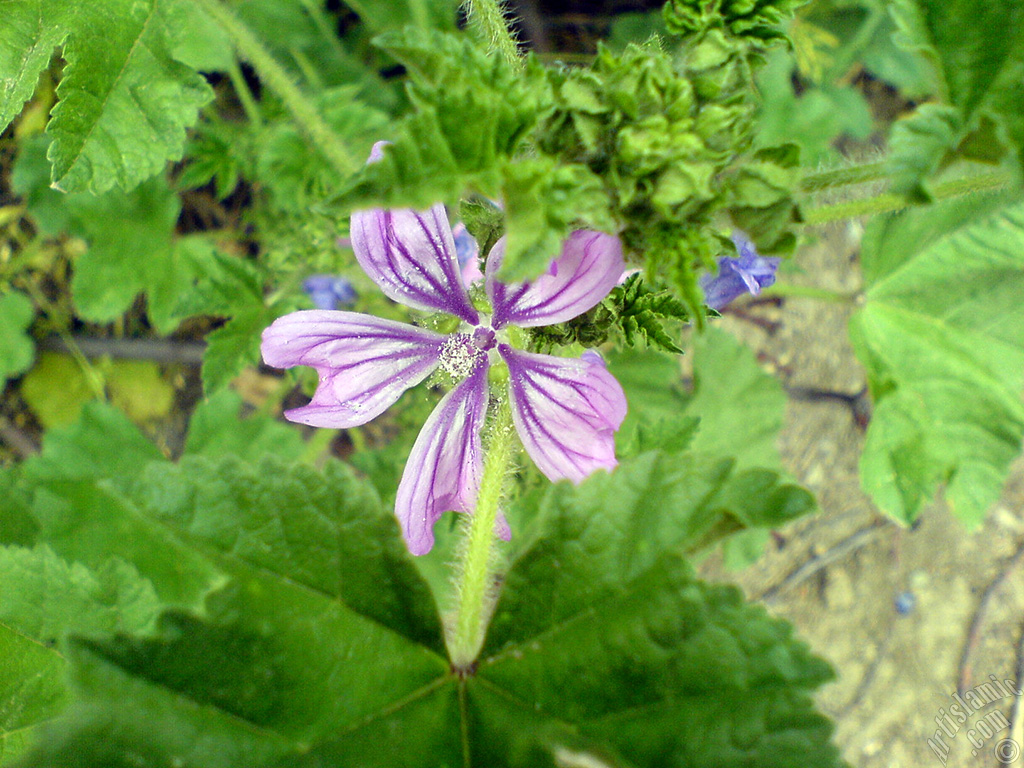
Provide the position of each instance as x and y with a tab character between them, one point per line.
488	21
889	202
841	177
474	587
274	76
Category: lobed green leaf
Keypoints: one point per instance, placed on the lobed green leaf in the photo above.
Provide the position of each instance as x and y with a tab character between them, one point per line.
941	337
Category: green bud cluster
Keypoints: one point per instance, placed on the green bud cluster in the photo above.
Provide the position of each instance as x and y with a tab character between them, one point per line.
636	310
670	137
756	20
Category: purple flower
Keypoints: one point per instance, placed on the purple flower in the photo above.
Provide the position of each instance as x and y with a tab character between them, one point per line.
737	275
329	291
565	410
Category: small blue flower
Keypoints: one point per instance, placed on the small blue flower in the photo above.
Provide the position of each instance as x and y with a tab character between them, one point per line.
905	602
466	247
747	273
329	291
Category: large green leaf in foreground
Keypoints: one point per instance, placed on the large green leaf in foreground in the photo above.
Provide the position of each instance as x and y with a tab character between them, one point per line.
323	646
942	337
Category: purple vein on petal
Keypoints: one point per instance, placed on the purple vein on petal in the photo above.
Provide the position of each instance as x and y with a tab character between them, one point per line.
589	266
446	463
411	256
364	362
566	412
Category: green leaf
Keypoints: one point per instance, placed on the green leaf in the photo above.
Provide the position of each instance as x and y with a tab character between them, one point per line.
652	504
328	532
103	444
233	346
124	101
44	597
217	429
17	348
942	337
978	65
652	382
77	485
138	388
32	690
382	15
17	526
41	599
741	408
56	389
969	57
131	242
30	32
86	522
620	652
639	312
920	142
131	250
814	119
601	628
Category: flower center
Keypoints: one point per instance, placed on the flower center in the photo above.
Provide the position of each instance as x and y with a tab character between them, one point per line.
461	354
483	339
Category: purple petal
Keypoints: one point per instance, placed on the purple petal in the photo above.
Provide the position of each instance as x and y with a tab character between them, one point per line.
365	363
589	266
411	256
444	469
566	411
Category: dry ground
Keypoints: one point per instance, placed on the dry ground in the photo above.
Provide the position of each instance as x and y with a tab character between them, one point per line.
837	576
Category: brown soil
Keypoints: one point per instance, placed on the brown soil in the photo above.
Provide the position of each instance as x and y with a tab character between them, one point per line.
837	576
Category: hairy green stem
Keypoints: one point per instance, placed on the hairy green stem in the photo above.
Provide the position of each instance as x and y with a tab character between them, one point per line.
888	202
245	97
475	579
487	20
841	177
274	76
322	22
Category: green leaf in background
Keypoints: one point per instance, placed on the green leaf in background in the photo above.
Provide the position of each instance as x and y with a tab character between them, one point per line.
124	101
56	389
17	348
130	237
217	429
382	15
942	338
968	56
734	411
741	407
233	346
102	445
815	118
652	381
138	388
975	62
17	526
131	250
32	690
